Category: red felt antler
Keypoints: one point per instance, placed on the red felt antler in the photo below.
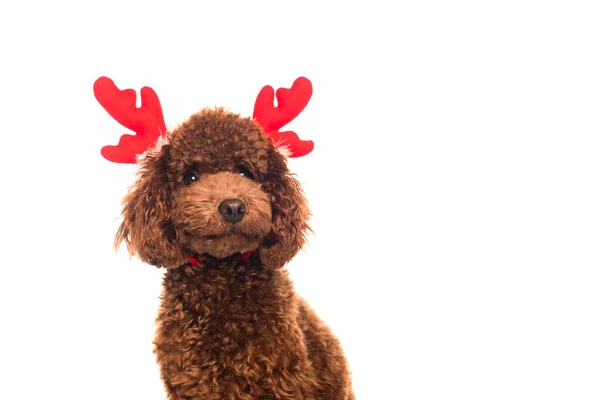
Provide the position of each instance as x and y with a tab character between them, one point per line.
146	121
290	103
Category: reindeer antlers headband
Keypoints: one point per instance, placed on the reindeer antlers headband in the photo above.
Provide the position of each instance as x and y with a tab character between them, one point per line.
148	122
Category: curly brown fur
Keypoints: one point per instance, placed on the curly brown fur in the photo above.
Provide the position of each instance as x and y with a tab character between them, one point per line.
233	327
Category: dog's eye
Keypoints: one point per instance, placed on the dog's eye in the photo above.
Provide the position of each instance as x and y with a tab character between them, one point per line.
190	178
243	171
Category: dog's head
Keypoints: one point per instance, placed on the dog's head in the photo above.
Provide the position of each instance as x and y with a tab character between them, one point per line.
220	187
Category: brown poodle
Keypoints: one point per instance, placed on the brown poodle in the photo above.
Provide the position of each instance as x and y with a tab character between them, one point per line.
218	208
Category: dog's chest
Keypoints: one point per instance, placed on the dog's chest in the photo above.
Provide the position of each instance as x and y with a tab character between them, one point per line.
212	338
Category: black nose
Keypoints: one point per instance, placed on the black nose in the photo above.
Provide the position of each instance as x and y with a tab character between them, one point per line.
232	210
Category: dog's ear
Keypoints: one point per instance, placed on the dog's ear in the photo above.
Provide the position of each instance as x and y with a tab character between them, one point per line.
290	215
146	228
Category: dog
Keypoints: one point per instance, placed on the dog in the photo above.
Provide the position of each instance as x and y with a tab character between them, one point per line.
218	208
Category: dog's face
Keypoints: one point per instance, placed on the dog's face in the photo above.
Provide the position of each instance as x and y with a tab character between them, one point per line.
218	188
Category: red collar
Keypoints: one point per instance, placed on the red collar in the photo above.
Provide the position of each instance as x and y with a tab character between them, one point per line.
196	263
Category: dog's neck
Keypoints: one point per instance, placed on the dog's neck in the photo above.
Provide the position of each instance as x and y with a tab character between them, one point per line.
206	260
239	287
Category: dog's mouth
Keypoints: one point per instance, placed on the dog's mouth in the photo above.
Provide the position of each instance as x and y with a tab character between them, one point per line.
225	245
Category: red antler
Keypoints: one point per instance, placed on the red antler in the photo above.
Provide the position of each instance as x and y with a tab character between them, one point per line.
290	103
146	121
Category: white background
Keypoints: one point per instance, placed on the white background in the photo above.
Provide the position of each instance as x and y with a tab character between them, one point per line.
454	185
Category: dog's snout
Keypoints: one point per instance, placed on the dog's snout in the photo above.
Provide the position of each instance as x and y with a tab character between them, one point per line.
232	210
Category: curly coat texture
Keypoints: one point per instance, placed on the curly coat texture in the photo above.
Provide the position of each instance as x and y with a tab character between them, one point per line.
232	327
